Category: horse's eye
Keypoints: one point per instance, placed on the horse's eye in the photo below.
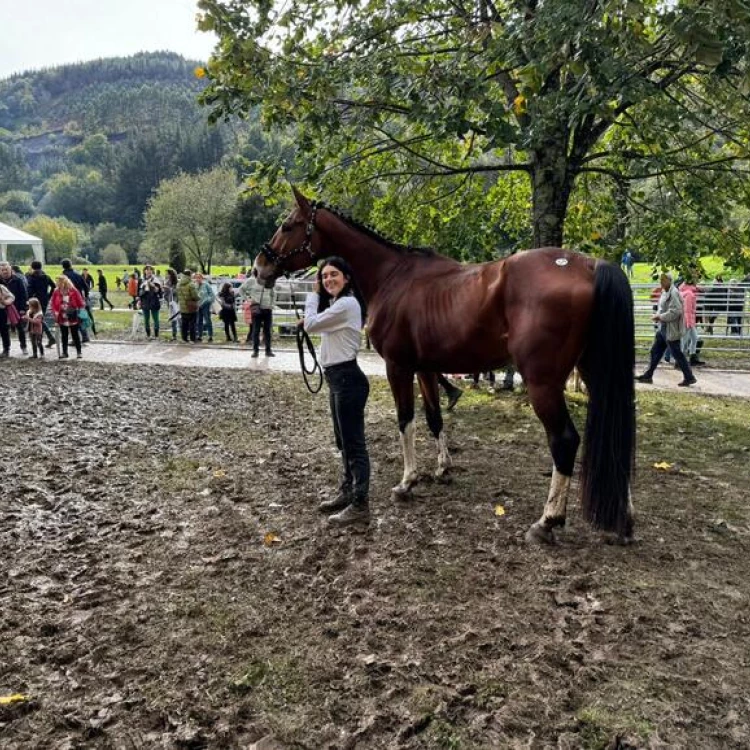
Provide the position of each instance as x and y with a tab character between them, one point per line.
286	227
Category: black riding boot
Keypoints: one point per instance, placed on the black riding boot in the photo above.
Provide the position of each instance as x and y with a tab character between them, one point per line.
356	513
343	498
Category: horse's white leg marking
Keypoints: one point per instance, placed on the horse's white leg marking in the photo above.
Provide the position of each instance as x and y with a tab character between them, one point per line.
444	458
554	510
410	460
556	506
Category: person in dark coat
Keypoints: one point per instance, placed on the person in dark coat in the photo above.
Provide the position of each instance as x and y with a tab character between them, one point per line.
88	278
41	286
149	296
102	286
16	285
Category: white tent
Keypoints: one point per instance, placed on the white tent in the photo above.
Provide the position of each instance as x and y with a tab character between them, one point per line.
11	236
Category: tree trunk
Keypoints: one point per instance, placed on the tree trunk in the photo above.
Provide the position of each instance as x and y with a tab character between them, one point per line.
623	216
551	184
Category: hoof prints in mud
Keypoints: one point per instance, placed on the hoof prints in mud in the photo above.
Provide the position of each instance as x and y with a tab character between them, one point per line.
144	604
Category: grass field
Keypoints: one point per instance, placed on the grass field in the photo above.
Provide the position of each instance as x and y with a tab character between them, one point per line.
111	273
712	264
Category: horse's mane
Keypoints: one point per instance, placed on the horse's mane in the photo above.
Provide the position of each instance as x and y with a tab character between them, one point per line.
374	234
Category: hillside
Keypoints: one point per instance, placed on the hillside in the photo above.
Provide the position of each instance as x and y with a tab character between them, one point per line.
109	95
90	142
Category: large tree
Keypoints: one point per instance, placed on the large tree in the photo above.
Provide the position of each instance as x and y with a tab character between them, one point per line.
61	239
196	211
407	93
252	224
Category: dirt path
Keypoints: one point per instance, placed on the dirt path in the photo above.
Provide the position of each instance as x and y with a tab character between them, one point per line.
710	381
168	582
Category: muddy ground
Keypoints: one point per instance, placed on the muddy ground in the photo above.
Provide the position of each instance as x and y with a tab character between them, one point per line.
143	606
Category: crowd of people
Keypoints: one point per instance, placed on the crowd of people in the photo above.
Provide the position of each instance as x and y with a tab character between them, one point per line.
27	299
33	300
32	304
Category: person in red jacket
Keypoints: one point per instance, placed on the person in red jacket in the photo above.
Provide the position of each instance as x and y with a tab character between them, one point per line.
67	303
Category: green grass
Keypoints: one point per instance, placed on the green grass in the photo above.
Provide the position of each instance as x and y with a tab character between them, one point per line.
712	265
111	273
598	725
118	323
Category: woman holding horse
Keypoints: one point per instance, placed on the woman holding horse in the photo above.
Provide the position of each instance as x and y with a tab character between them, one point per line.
545	311
334	312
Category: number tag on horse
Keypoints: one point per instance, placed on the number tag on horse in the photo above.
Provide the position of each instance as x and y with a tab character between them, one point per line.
562	261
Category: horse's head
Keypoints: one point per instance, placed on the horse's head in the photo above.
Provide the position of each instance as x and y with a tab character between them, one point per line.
295	244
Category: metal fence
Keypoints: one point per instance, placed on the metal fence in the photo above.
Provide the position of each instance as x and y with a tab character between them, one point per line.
723	314
723	318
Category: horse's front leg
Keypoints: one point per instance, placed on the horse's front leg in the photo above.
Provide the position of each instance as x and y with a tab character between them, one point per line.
402	388
428	385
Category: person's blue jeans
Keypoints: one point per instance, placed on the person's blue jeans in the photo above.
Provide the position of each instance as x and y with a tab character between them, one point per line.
660	346
204	320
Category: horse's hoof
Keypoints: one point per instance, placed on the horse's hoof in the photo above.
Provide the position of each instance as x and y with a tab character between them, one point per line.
442	472
621	540
539	534
401	494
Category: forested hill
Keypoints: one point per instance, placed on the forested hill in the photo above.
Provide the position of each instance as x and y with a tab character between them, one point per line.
110	95
91	142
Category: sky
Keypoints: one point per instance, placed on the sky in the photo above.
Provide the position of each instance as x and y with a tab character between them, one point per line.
44	33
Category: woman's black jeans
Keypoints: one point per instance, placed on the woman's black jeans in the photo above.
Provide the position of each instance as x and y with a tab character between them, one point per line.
187	326
262	317
75	333
349	389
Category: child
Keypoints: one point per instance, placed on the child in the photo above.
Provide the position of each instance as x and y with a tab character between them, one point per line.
35	323
133	287
228	313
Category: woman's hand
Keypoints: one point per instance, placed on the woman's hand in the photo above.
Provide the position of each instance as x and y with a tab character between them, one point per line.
301	323
316	285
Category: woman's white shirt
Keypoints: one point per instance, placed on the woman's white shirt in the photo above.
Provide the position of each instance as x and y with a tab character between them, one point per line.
339	327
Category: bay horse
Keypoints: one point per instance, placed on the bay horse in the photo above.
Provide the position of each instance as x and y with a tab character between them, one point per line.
545	310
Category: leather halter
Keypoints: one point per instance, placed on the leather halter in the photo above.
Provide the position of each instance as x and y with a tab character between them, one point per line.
278	261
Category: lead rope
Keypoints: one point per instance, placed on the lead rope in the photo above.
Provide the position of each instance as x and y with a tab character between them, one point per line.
305	342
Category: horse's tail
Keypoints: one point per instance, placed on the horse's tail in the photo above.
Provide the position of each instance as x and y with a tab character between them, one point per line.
607	364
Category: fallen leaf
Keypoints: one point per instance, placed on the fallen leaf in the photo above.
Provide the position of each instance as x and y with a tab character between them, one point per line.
664	466
6	700
270	539
499	510
220	473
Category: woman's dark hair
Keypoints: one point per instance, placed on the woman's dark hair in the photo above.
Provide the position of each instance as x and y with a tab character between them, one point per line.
172	276
349	288
225	288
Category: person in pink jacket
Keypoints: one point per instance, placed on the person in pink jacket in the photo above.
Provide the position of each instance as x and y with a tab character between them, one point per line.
689	343
66	304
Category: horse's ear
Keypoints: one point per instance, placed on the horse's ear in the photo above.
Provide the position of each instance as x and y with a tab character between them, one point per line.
302	202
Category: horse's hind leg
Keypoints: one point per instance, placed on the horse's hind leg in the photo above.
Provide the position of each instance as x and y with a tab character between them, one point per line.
428	385
549	405
402	388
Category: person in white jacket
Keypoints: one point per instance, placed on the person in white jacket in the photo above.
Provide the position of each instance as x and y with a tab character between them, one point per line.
334	312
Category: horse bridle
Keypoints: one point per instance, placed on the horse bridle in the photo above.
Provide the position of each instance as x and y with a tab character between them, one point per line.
303	338
306	247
